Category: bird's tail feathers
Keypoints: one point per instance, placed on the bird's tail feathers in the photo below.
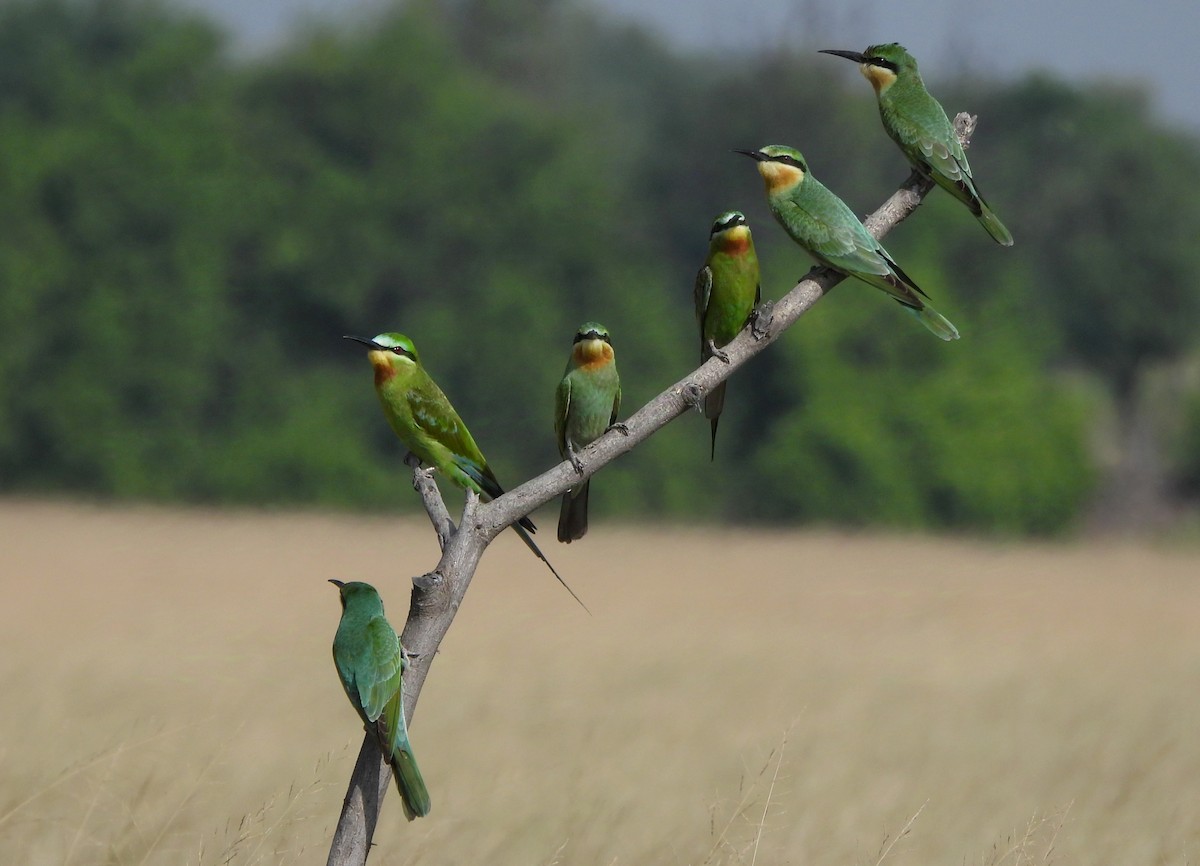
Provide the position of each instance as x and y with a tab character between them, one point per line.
934	321
529	542
573	516
481	479
413	793
966	192
995	228
391	733
714	403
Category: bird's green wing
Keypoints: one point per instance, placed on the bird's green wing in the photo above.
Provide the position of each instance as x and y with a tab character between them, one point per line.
928	138
948	160
562	406
393	729
929	141
377	670
834	234
837	238
482	476
434	417
701	293
612	419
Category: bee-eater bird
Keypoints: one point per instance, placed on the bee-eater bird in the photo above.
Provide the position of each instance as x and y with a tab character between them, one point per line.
371	662
585	406
727	291
824	225
427	424
919	125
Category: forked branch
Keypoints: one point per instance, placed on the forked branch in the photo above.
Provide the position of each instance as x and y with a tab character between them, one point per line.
437	595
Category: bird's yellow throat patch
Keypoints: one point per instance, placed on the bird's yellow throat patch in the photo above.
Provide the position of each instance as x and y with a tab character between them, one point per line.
780	177
881	77
381	362
734	241
591	354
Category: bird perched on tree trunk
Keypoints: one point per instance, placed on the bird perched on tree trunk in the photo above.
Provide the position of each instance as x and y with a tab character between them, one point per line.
919	125
727	291
824	225
586	404
371	663
421	415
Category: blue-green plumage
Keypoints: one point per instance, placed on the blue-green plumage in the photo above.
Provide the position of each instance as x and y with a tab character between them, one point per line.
370	663
824	225
922	130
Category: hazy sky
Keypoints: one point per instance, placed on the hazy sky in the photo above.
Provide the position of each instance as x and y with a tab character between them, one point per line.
1151	42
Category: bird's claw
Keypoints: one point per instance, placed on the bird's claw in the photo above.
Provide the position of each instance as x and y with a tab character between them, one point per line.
761	318
620	426
573	458
816	272
718	353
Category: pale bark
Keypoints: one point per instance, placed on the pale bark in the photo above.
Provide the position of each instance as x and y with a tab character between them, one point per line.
436	596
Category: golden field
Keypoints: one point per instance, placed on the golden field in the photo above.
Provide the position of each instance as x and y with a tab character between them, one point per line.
736	697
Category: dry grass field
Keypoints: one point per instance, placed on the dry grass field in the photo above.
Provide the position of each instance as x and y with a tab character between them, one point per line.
736	698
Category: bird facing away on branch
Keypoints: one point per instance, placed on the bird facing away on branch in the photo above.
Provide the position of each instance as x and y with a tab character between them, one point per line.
585	407
427	424
825	226
919	125
370	662
727	291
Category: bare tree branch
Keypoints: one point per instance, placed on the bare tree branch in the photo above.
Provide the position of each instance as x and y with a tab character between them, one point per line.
437	595
690	391
432	607
431	498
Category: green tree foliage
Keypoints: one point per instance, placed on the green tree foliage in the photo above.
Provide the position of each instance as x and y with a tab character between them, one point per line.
1186	451
116	169
1115	205
420	195
186	238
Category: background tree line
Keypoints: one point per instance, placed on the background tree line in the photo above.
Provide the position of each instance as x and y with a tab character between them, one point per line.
186	235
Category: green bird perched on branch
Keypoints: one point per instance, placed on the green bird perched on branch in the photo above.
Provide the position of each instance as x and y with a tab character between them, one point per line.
586	404
919	125
726	293
825	226
370	662
421	415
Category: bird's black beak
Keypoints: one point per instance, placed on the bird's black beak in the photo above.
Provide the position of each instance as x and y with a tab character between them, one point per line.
362	340
756	155
336	583
849	55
